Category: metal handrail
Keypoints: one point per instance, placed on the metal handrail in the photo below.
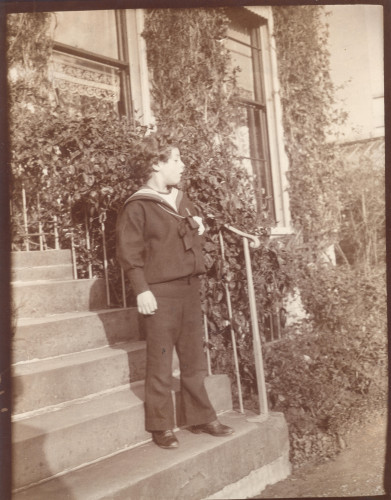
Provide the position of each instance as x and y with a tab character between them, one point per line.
258	358
233	338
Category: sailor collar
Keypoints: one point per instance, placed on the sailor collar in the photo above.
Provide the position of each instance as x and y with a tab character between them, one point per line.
147	193
187	226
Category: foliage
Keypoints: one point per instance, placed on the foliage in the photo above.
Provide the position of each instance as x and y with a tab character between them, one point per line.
362	233
81	167
191	77
28	48
307	99
334	373
329	371
326	396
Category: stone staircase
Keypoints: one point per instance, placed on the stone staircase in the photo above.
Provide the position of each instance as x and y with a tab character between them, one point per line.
78	414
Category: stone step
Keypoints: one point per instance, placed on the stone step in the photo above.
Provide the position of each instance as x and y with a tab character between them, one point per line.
43	337
40	298
203	466
41	258
53	272
48	382
89	429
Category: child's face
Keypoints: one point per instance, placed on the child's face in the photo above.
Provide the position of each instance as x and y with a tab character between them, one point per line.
171	170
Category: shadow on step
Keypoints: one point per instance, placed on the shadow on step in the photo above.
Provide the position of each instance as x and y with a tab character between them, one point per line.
34	458
41	466
125	337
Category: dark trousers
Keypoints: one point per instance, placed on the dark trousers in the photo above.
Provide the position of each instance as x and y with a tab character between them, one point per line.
177	322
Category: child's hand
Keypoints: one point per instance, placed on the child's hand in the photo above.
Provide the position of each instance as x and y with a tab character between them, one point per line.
201	227
146	303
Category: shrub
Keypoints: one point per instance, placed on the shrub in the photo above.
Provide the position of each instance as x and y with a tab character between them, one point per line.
362	233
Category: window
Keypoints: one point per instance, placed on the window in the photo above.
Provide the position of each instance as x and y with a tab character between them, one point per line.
244	44
90	63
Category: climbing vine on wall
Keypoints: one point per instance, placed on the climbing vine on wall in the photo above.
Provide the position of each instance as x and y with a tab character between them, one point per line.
29	46
309	113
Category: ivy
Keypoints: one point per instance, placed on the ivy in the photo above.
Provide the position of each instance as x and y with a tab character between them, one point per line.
309	113
29	46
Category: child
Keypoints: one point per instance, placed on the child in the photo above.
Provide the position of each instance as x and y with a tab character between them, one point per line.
159	248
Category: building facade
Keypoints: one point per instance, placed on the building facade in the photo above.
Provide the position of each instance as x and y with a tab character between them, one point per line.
99	59
356	41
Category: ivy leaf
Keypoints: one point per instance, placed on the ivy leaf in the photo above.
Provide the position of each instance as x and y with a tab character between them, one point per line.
88	179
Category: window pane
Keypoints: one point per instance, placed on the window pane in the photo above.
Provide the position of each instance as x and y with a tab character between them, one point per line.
89	30
241	56
250	139
239	32
244	45
82	83
242	140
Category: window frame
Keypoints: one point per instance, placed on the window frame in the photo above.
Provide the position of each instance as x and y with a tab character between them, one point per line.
257	112
125	107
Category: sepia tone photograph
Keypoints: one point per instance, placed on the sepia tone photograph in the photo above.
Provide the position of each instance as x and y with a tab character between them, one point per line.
196	210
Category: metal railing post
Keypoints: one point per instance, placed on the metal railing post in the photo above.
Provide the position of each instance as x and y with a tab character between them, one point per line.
207	345
73	252
233	338
123	287
40	227
262	394
56	235
88	244
105	267
26	229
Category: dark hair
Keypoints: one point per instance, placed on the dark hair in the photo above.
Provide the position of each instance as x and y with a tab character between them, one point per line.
155	147
158	146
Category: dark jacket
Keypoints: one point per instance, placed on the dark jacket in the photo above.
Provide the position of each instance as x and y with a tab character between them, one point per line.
155	243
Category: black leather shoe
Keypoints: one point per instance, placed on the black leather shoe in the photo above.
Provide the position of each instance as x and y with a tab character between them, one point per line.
215	428
165	439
